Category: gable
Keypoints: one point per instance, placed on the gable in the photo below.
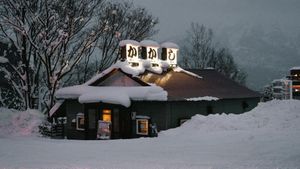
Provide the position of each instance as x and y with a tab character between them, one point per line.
118	78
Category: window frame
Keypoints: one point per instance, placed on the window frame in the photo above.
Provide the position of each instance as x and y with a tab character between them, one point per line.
80	116
137	127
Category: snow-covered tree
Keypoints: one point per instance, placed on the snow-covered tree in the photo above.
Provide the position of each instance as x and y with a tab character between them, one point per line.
199	51
51	37
121	20
54	38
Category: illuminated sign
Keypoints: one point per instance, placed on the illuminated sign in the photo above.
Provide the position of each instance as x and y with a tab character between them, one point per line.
132	53
152	55
172	56
150	51
169	53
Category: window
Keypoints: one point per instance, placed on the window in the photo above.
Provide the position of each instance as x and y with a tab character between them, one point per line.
106	115
142	126
80	121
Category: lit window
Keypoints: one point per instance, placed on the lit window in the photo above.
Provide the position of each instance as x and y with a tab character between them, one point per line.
106	115
80	121
142	126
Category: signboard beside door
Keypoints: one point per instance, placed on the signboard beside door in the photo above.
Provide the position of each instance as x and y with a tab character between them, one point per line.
104	130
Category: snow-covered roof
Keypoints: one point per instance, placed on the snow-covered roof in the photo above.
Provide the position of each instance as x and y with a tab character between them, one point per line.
295	68
132	42
169	45
55	107
281	80
179	69
113	95
149	43
136	71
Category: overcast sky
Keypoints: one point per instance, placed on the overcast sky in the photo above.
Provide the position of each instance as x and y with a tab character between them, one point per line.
263	35
176	15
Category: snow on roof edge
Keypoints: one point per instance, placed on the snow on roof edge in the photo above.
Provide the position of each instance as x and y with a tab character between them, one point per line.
169	45
204	98
295	68
149	43
113	95
179	69
55	107
128	41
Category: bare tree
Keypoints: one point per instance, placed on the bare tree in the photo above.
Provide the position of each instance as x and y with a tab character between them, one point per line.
51	37
199	51
121	20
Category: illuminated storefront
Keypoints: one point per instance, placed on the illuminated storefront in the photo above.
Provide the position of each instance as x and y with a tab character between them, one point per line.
146	92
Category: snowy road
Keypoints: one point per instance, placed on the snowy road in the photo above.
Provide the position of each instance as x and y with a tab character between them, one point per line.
267	137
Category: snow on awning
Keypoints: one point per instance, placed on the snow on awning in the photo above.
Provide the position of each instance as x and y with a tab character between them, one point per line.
113	95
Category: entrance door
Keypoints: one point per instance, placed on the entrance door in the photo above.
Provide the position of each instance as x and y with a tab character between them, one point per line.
120	120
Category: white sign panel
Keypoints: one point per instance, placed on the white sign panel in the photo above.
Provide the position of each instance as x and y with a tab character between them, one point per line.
152	54
172	56
132	53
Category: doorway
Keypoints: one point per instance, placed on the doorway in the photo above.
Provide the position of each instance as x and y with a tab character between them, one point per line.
119	119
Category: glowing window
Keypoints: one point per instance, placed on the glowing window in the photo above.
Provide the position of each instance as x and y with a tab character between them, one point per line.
142	126
106	115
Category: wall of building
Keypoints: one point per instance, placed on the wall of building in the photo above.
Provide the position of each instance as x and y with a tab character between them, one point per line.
157	110
72	108
165	114
168	114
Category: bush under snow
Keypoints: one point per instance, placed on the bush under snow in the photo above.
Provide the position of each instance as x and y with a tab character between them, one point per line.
19	123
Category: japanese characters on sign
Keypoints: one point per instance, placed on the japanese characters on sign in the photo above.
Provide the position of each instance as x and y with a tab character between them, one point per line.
132	53
172	56
148	50
152	54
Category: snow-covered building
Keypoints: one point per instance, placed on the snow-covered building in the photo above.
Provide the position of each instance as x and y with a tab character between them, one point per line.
142	93
282	89
295	77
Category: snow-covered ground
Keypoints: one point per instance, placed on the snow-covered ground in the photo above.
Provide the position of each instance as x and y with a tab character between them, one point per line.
267	137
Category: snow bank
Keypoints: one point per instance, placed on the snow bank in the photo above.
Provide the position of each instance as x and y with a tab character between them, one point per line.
19	123
276	115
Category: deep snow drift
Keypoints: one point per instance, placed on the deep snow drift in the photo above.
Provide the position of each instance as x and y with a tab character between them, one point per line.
266	137
19	123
